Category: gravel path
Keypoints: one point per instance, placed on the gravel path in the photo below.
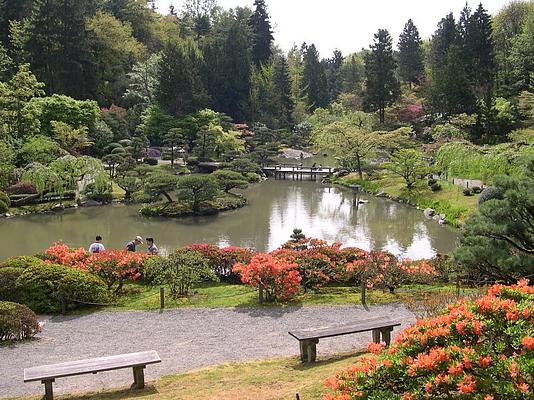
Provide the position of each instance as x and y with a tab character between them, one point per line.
185	339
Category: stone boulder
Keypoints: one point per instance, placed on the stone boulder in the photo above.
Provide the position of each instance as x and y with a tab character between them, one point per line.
429	212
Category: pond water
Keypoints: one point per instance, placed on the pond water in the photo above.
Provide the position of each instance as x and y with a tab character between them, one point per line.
275	209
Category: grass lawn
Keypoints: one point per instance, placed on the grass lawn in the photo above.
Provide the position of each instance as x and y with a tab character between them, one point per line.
279	378
449	201
143	297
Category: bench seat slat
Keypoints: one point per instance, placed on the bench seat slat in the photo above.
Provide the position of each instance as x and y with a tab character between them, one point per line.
91	365
362	326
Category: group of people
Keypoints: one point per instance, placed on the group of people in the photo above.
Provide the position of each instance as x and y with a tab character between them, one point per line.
98	247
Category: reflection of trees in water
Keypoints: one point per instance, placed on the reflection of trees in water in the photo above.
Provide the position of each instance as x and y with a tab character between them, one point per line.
275	209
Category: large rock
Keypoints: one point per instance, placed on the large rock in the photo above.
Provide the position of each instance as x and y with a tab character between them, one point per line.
429	212
90	203
381	193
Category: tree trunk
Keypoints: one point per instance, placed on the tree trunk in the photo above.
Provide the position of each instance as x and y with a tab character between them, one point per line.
359	166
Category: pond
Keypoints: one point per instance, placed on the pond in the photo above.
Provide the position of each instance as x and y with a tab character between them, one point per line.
275	209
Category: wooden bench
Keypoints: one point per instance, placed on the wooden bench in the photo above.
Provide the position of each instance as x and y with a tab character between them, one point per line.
47	374
308	338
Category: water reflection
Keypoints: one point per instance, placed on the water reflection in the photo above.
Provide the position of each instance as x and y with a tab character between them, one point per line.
276	207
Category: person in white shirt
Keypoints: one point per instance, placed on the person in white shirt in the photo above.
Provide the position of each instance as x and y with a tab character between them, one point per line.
97	246
152	248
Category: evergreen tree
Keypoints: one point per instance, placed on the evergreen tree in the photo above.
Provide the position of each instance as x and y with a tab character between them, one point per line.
410	54
282	82
449	89
353	71
445	36
314	84
333	75
179	89
198	14
227	71
58	46
382	87
480	47
263	35
11	10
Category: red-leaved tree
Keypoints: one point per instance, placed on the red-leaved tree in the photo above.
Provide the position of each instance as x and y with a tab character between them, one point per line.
279	277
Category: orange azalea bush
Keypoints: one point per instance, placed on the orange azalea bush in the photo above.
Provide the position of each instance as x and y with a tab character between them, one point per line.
115	266
112	266
278	276
481	349
382	269
60	253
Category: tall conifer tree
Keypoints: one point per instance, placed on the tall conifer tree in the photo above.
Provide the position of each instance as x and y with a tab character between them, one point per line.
382	87
410	54
282	82
313	83
263	35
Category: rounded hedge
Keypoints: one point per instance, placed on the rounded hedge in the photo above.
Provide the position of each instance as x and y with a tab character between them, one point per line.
21	262
3	207
8	284
435	187
150	161
22	188
5	199
491	193
41	287
17	322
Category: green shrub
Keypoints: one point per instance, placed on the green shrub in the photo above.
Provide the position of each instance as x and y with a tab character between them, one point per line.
491	193
17	322
151	161
468	192
180	271
5	199
43	286
432	181
252	177
21	262
435	187
8	284
3	207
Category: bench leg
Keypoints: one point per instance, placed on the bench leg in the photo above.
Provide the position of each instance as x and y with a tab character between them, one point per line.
376	336
308	350
303	351
139	377
49	392
386	335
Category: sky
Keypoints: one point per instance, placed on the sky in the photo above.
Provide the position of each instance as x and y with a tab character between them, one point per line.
348	25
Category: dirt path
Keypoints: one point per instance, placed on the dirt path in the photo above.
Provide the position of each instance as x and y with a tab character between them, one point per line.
185	339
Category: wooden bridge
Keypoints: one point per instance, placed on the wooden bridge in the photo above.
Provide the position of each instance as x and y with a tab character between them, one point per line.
284	171
280	171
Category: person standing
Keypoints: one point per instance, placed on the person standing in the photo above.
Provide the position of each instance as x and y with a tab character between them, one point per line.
152	248
97	246
130	246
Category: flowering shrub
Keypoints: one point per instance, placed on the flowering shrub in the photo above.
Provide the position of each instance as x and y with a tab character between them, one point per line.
382	269
60	253
114	266
478	349
278	276
221	260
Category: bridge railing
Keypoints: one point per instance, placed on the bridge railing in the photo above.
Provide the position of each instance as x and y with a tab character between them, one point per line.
296	168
